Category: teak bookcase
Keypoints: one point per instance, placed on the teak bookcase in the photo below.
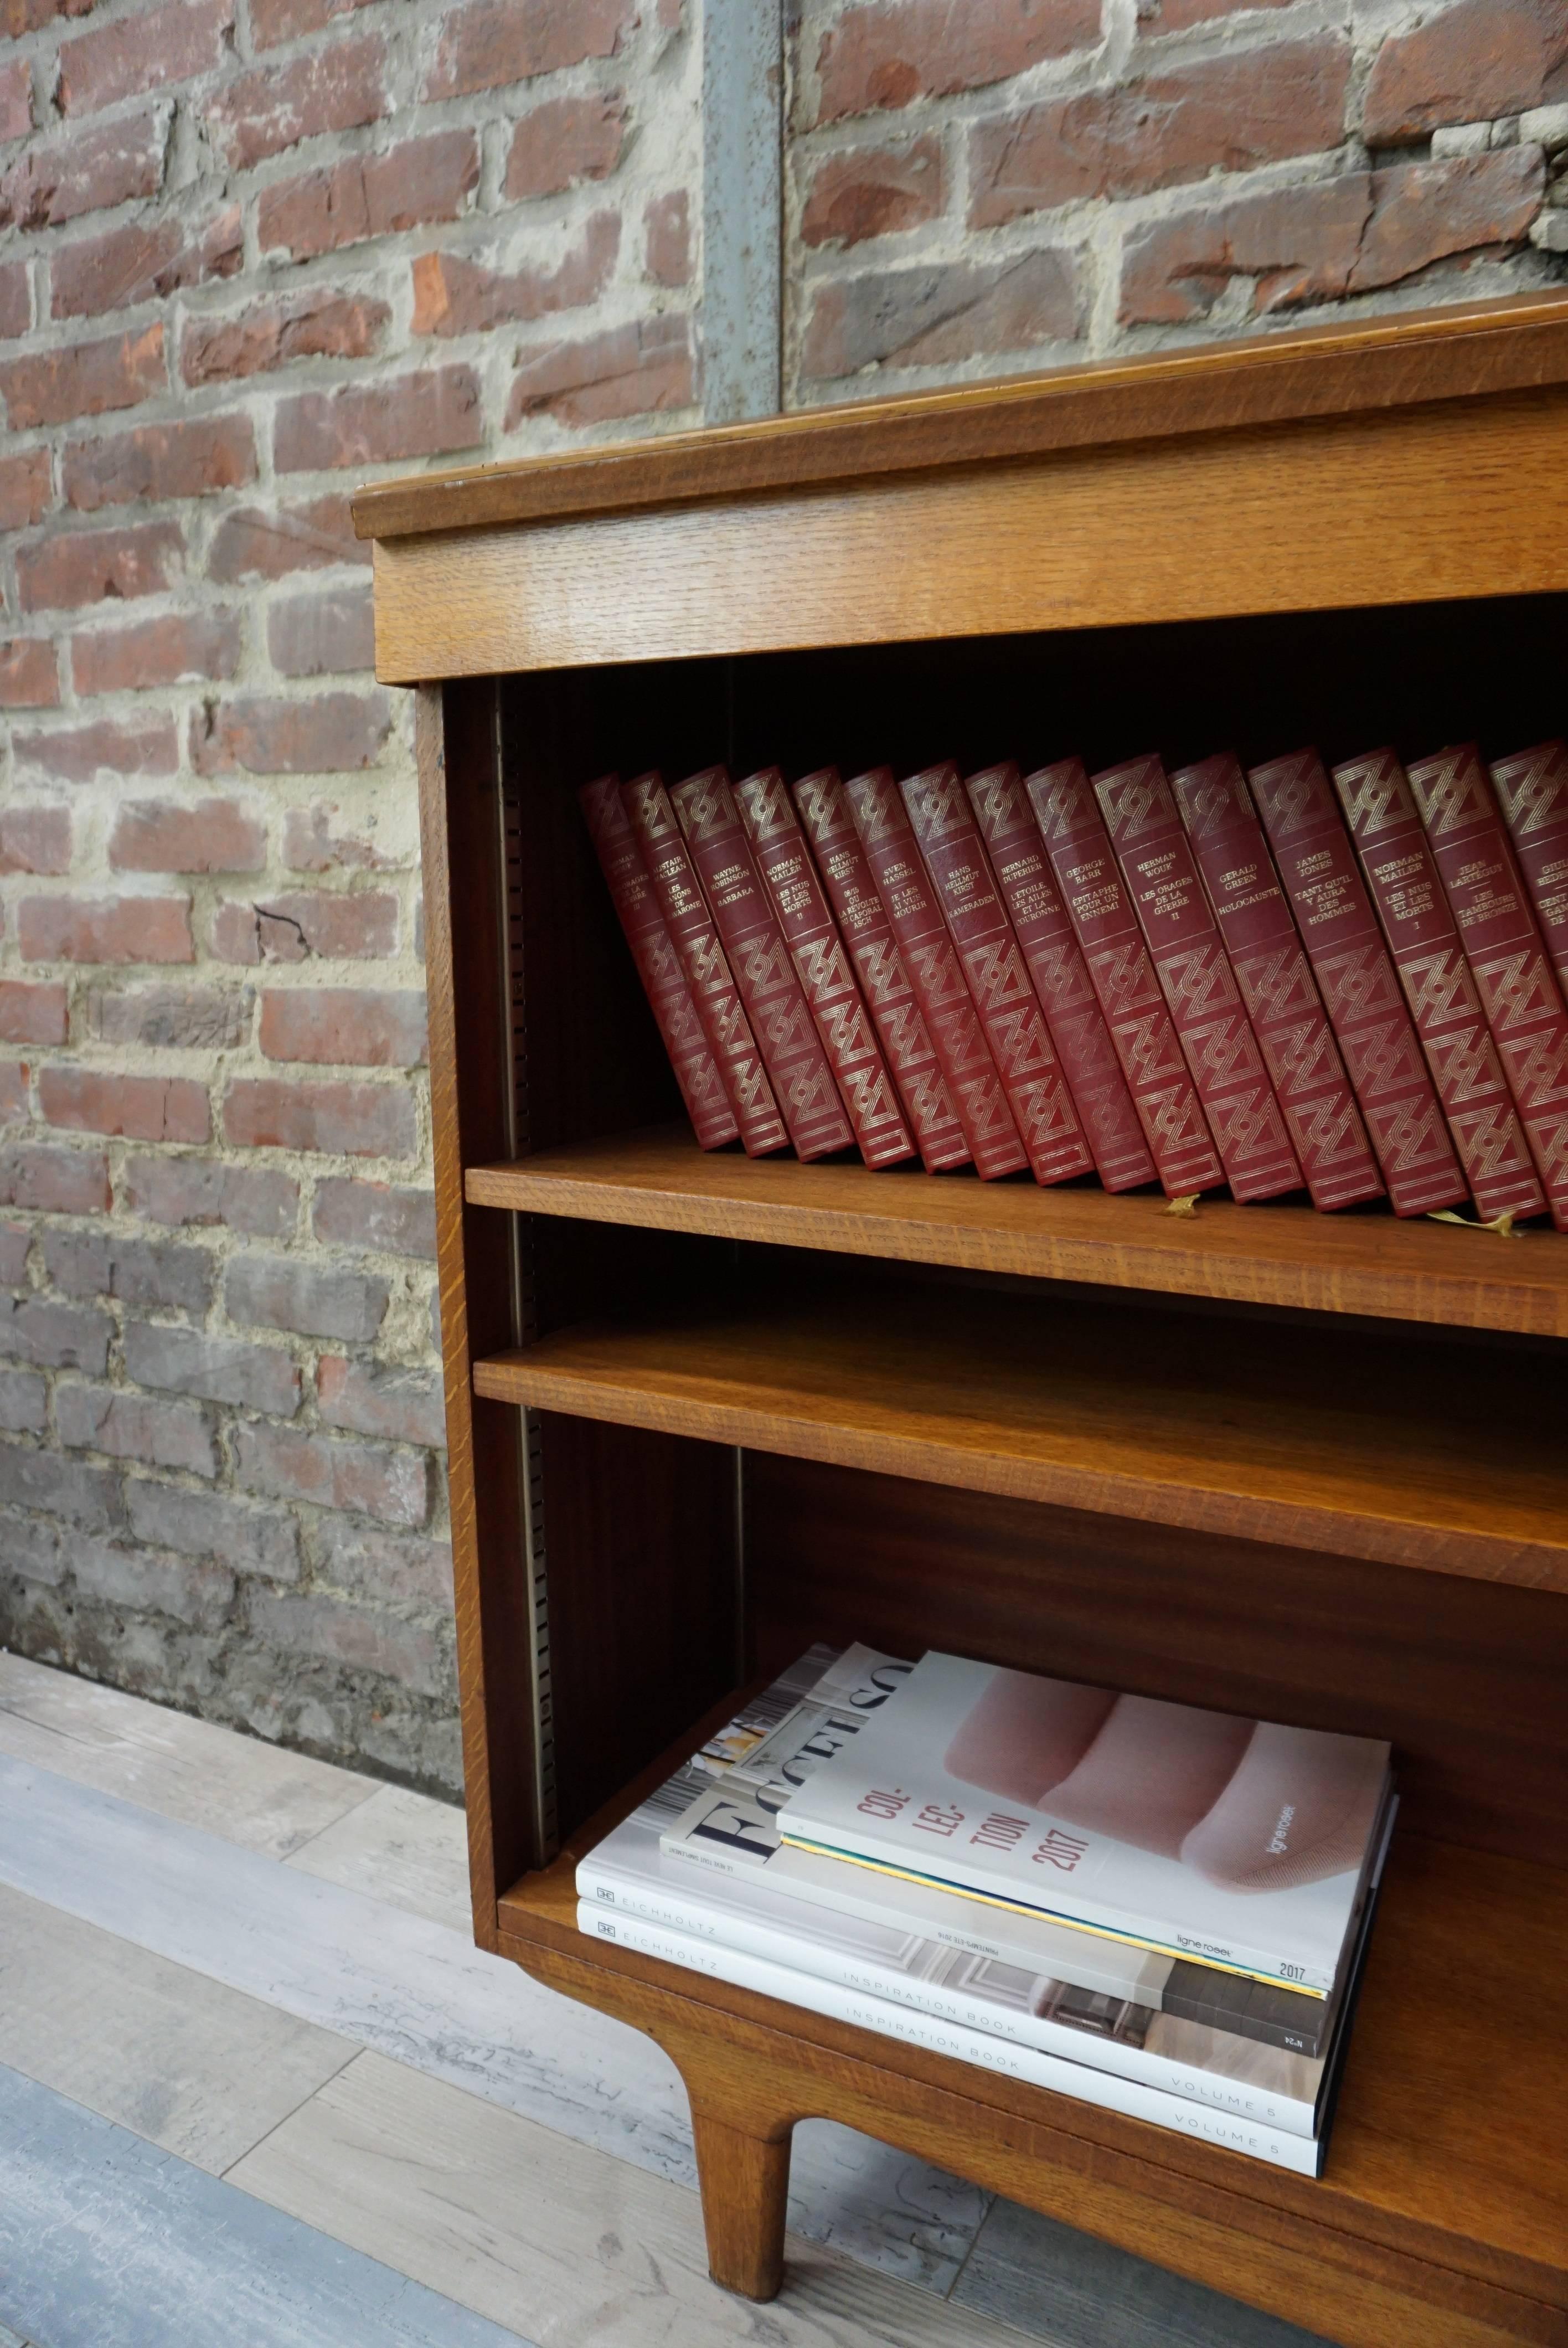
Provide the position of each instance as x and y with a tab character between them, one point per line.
703	1411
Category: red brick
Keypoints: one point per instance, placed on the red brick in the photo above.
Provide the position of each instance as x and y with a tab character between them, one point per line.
935	316
135	1427
291	1464
344	1026
489	44
111	747
421	414
144	51
172	1016
181	1192
1227	113
15	100
83	566
173	650
16	301
667	238
335	925
269	334
889	54
86	170
375	1215
1467	62
212	836
352	1120
34	840
254	542
194	459
322	635
140	1108
1157	17
53	1179
20	16
563	141
369	1399
338	88
1429	212
24	488
146	261
333	734
423	180
455	296
87	380
315	842
29	674
637	370
15	1107
33	1014
273	21
874	191
105	929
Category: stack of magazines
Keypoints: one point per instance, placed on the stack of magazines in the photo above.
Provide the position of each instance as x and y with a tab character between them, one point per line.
1157	1910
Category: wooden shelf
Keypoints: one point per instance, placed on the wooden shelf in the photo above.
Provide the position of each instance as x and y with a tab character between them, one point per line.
1434	1460
1369	1263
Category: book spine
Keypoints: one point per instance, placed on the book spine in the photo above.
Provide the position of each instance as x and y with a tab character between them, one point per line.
824	969
1142	1035
1258	930
678	895
996	974
1405	888
1317	865
916	919
823	811
1503	945
1061	976
1533	791
748	928
767	1978
1196	980
669	996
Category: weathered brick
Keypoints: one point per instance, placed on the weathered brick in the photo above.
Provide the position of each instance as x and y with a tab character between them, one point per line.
136	1426
346	1120
24	488
415	183
420	415
34	840
110	749
267	334
142	52
16	301
359	1637
455	297
375	1215
32	1551
55	1337
1227	113
15	100
33	1014
667	238
322	635
273	21
316	840
933	316
873	191
141	1108
252	544
177	648
185	1193
262	113
84	379
1467	62
277	1291
564	141
1159	17
333	734
489	44
217	1369
209	836
346	1026
29	674
193	459
177	1018
20	16
146	261
53	1180
636	370
16	1242
85	566
372	1398
394	1568
367	1479
204	1524
15	1105
23	1410
86	170
894	51
202	1596
105	929
29	1478
335	925
147	1274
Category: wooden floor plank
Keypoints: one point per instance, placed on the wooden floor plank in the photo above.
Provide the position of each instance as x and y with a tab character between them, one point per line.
402	1847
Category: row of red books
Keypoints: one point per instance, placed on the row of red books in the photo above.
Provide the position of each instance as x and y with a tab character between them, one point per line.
1283	980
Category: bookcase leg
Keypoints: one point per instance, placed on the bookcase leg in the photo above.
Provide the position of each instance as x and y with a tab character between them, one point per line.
745	2185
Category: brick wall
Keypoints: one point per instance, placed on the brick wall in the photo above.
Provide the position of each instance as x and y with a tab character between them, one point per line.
254	250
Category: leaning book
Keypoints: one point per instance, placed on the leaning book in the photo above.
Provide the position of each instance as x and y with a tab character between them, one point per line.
1239	1844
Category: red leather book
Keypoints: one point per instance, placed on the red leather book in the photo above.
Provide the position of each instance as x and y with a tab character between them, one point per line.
1503	945
1270	968
824	969
753	942
1317	865
1407	892
996	974
910	904
1056	965
681	901
669	996
823	807
1197	979
1083	865
1533	791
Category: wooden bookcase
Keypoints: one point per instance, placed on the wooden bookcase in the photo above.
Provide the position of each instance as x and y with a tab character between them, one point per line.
703	1411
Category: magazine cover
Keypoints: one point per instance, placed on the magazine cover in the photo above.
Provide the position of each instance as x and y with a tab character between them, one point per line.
1239	1844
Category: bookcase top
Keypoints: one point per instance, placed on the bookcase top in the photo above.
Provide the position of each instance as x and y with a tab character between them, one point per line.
1517	344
